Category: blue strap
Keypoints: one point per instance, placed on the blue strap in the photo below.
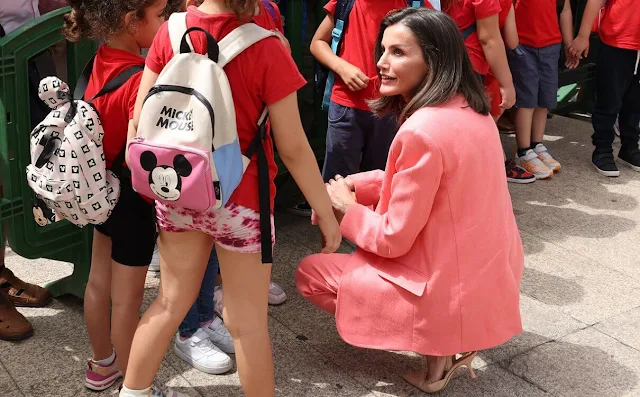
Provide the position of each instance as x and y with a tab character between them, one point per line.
415	3
468	31
343	9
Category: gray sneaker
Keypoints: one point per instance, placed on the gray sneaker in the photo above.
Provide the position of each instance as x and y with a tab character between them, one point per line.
219	335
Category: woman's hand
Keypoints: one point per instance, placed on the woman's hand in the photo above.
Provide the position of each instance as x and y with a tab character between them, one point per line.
342	195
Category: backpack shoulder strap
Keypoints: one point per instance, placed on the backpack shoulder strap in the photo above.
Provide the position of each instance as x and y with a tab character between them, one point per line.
267	4
177	29
239	40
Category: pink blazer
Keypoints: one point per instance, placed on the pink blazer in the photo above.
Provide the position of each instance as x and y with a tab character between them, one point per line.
440	260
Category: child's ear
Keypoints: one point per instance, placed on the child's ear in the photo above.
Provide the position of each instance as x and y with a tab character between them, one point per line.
131	22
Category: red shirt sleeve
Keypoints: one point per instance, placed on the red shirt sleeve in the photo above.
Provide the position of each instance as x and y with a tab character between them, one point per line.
280	76
330	7
485	8
160	52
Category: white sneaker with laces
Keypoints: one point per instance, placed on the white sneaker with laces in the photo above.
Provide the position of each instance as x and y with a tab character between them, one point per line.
219	335
277	296
154	266
202	354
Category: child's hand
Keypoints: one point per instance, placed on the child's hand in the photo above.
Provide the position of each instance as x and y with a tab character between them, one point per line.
353	77
571	61
331	236
508	97
579	48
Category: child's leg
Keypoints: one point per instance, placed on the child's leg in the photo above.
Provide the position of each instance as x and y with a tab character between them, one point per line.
127	291
246	287
538	125
182	261
97	298
345	140
524	122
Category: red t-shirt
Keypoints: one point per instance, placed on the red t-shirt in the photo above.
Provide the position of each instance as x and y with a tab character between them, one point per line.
265	20
537	22
357	48
465	13
115	108
505	7
262	74
620	24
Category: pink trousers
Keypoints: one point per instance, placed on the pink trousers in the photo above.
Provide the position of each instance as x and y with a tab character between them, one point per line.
318	278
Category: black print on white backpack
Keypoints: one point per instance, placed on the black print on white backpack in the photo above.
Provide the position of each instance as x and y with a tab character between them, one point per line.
68	168
166	181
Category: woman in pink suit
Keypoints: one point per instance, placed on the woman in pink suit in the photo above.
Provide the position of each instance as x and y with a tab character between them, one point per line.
439	260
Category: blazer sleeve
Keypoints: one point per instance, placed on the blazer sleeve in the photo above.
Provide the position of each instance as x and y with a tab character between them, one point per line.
414	185
368	185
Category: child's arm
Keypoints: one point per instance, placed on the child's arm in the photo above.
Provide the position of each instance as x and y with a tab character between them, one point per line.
321	50
510	31
146	82
580	46
296	154
566	29
494	50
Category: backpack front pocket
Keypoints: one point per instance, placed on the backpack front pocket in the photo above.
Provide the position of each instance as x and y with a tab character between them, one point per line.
176	175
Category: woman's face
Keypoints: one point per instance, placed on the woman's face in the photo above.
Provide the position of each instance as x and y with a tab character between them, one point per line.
402	66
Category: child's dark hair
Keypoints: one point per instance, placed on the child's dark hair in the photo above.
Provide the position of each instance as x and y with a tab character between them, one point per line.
449	69
99	19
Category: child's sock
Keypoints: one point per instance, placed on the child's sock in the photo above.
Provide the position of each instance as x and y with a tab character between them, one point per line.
521	151
206	323
126	392
107	361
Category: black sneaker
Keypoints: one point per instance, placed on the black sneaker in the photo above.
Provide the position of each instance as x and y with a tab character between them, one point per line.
605	164
630	158
301	209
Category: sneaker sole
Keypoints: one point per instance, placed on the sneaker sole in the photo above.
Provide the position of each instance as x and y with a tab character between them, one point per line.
521	181
275	300
213	371
610	174
633	167
544	176
104	385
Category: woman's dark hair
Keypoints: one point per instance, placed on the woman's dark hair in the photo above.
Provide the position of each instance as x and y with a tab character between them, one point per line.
449	68
99	19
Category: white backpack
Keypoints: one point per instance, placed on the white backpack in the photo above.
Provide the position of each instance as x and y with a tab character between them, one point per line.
68	169
187	152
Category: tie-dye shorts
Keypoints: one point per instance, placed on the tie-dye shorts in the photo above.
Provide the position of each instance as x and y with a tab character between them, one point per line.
233	227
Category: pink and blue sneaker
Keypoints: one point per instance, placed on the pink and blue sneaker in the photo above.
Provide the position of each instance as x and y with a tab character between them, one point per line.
100	377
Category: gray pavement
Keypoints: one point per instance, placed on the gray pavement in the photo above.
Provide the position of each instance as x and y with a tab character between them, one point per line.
580	305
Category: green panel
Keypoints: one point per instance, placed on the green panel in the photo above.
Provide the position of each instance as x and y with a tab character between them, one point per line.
62	240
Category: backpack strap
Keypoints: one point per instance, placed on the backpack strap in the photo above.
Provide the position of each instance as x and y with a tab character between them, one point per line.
239	40
177	30
110	86
468	31
340	20
264	187
267	4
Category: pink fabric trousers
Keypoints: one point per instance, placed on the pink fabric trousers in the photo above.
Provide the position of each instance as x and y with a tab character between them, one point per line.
318	278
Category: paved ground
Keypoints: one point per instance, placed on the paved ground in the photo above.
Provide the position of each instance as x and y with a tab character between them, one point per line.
580	304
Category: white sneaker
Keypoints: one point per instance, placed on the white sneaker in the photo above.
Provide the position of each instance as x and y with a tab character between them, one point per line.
158	390
219	335
277	296
534	165
202	354
154	266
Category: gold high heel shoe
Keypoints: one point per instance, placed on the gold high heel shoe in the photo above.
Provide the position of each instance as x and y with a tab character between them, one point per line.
419	379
